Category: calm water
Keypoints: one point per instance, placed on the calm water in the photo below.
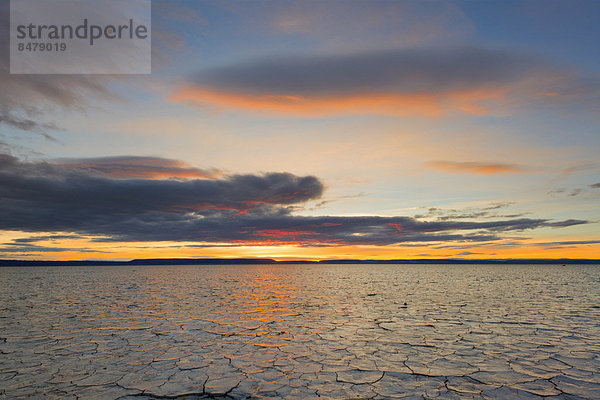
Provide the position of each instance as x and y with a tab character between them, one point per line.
300	331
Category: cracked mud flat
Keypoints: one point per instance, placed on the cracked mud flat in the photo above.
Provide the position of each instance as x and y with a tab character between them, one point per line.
300	331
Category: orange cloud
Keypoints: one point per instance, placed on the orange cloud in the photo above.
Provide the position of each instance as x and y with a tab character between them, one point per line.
381	103
477	167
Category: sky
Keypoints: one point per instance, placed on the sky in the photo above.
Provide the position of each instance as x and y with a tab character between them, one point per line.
316	130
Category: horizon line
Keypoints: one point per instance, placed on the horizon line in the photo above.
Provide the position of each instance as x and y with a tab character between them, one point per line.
258	260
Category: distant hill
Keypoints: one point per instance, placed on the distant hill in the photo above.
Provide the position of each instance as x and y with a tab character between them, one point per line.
262	261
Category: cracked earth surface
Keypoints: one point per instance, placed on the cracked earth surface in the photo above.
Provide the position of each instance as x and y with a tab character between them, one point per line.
300	331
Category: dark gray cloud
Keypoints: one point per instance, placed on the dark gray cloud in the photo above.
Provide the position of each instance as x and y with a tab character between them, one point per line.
429	70
310	231
38	194
595	186
248	209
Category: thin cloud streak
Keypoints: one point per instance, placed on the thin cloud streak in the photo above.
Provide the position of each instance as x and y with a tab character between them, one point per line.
481	168
126	167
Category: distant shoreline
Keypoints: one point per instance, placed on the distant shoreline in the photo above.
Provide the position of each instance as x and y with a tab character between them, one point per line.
269	261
